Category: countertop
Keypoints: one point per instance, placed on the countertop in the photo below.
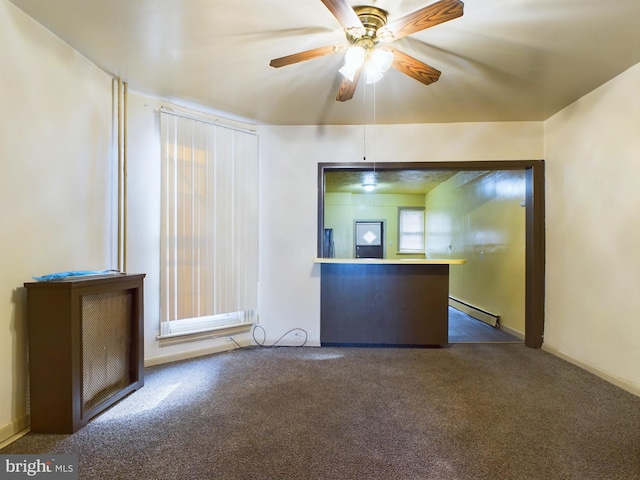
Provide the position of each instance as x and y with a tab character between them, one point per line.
395	261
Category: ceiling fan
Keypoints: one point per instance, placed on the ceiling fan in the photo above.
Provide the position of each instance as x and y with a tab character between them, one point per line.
366	28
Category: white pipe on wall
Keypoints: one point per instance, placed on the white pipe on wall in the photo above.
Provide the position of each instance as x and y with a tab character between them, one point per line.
122	173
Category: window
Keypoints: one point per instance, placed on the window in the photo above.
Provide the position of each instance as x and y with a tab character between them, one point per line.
410	230
209	238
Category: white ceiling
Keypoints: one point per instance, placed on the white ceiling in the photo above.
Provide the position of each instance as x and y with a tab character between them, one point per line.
503	60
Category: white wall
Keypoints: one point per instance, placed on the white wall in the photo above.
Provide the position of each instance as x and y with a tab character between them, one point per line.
289	155
593	231
56	181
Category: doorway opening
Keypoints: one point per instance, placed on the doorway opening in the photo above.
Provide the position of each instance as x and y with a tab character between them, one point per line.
533	204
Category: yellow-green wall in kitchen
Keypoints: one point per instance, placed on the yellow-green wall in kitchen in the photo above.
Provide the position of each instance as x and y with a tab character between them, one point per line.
342	209
479	216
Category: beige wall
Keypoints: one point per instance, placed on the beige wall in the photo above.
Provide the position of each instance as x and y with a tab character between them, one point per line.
56	181
593	230
289	155
478	216
57	199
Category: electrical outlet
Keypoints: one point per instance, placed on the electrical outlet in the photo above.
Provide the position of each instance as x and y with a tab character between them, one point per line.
481	255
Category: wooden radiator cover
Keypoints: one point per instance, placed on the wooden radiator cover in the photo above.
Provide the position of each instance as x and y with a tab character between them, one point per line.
85	348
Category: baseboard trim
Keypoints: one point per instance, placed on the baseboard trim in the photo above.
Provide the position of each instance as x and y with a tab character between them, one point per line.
512	331
14	430
475	312
219	348
625	384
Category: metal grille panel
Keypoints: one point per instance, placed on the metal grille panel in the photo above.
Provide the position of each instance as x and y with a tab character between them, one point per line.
106	345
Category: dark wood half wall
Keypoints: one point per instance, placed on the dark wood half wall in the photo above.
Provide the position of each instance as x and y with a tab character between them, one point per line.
535	226
384	305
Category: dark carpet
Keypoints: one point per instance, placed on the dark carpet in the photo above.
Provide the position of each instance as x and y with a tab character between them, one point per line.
468	411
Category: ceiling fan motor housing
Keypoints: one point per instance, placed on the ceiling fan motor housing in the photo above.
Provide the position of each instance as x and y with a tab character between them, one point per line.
372	19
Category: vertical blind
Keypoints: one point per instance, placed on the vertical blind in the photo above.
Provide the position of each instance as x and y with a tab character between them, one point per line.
209	227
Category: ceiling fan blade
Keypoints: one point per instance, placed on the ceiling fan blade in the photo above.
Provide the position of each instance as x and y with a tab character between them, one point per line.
348	88
307	55
426	17
414	68
344	13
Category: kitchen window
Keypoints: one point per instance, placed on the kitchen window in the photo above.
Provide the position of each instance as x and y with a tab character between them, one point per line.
410	230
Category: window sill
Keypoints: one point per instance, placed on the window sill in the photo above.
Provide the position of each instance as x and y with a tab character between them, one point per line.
204	334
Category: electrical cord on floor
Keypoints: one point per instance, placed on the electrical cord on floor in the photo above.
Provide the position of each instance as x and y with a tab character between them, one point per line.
274	344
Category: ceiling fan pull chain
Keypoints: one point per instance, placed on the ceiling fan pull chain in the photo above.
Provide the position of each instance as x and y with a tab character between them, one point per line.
373	132
364	125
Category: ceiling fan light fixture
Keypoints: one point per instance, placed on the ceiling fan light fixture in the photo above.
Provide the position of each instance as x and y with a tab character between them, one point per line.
349	71
372	73
354	58
382	58
378	62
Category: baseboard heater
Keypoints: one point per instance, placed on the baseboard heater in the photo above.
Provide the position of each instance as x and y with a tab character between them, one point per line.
475	312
